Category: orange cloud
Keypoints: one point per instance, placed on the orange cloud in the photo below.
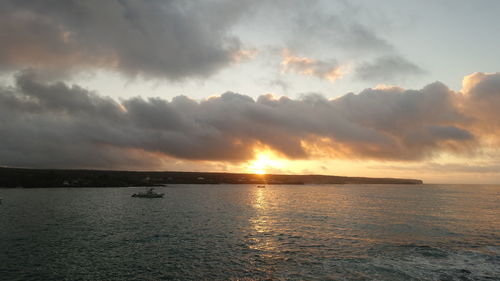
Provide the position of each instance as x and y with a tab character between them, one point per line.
244	55
327	70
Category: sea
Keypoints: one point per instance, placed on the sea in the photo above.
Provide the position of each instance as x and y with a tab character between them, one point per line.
241	232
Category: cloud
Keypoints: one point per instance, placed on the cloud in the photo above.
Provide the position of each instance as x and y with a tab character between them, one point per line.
480	100
353	33
333	25
173	40
165	39
327	70
387	68
58	125
482	97
245	54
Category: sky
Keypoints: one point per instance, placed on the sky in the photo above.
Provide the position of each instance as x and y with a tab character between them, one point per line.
354	88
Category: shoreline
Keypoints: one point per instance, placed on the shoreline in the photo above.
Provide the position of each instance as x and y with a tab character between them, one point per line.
42	178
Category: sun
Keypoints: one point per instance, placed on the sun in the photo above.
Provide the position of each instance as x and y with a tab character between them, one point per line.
264	161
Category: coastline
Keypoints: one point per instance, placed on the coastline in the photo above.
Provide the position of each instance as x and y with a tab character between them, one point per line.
31	178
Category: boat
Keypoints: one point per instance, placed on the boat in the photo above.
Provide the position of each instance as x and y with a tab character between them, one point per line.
261	186
150	193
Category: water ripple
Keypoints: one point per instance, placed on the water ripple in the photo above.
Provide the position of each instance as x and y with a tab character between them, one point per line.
225	232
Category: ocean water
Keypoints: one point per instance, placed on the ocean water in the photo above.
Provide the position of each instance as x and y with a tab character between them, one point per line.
240	232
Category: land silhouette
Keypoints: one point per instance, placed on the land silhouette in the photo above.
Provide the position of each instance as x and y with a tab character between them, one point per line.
39	178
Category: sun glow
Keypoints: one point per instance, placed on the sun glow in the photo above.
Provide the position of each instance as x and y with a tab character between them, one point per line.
264	161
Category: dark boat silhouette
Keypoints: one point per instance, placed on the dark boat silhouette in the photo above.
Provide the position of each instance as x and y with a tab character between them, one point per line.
150	193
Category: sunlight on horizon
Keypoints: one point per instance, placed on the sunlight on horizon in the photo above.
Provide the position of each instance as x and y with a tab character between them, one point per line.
265	160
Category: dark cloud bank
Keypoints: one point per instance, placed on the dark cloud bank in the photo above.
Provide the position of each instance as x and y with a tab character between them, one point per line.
170	39
57	125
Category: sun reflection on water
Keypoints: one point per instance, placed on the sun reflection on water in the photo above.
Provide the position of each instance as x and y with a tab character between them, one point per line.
259	198
263	223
